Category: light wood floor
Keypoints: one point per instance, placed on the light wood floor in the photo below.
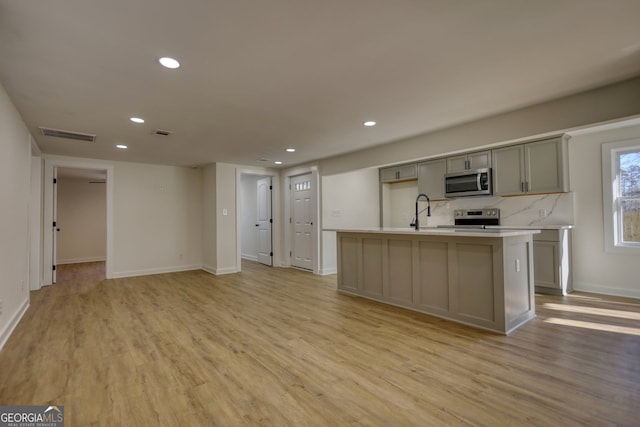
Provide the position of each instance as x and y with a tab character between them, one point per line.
280	347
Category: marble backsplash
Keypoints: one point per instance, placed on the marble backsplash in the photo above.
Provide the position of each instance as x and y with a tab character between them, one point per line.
539	209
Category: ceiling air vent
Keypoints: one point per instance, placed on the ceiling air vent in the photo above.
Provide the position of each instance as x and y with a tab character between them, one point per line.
67	134
162	132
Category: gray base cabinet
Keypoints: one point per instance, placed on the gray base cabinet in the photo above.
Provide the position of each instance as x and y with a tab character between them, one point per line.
483	282
552	262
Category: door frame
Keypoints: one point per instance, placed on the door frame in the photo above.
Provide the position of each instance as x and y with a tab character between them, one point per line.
315	235
47	250
275	213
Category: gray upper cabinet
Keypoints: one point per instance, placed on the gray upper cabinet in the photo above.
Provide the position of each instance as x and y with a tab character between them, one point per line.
399	173
536	167
477	160
431	178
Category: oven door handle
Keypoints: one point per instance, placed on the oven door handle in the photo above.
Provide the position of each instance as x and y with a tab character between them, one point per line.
478	175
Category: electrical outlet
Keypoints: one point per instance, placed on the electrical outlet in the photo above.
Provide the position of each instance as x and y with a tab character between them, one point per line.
542	213
517	266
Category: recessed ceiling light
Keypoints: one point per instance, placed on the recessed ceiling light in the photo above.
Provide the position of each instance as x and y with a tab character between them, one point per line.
136	120
169	62
278	162
291	150
121	146
369	123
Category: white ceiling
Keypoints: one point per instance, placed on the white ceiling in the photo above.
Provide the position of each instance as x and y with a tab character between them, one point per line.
260	76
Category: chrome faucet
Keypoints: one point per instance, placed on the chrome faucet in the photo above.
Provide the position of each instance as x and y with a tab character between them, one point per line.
417	223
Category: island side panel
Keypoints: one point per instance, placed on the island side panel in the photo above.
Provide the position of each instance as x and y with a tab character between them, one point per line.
431	280
372	250
519	303
475	285
400	271
348	264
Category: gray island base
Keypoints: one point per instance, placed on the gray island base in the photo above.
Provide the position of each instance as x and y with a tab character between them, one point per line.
480	278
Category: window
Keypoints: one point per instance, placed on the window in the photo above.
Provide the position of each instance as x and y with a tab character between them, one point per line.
621	190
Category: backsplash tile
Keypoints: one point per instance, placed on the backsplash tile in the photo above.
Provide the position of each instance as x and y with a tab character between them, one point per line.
539	209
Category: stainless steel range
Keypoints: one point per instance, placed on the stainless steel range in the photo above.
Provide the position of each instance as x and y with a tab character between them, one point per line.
474	218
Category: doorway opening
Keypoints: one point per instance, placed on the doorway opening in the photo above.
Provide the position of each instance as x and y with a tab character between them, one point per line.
256	218
93	177
80	218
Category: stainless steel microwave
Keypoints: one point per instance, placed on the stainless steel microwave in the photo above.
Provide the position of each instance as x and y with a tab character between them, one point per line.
475	182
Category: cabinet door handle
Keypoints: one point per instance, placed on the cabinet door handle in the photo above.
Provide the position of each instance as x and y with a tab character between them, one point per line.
522	187
526	186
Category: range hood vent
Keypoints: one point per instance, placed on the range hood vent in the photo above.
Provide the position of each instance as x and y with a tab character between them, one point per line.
67	134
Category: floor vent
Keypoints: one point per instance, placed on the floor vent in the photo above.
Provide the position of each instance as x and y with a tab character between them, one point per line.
162	132
67	134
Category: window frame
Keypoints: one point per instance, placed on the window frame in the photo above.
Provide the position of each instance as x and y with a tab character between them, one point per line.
611	197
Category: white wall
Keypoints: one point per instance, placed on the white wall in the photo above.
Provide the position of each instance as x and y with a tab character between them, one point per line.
248	215
15	185
209	212
400	201
226	226
220	230
82	220
594	269
348	200
157	216
35	220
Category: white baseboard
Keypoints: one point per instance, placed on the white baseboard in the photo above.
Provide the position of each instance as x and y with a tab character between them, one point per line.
249	257
327	271
79	260
599	289
219	271
174	269
13	322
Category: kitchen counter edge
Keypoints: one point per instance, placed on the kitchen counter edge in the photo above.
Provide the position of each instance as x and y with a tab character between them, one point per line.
494	232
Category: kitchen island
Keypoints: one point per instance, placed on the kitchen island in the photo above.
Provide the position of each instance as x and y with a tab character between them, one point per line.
482	278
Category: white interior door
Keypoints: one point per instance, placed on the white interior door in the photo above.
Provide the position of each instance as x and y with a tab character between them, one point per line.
302	221
264	222
55	228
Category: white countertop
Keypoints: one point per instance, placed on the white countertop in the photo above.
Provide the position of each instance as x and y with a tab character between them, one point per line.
433	231
531	227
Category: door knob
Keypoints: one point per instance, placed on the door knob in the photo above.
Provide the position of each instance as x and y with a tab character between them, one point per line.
257	225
